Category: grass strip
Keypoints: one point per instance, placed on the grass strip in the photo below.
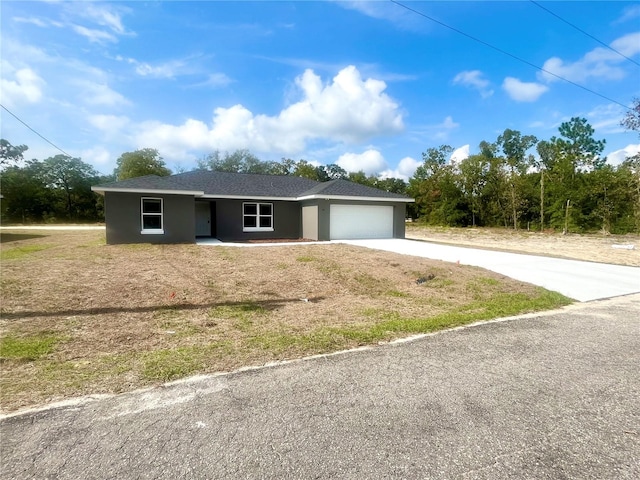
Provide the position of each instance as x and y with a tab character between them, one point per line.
18	253
27	348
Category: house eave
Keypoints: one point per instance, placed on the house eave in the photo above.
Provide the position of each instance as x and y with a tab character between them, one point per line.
202	195
356	198
250	197
148	191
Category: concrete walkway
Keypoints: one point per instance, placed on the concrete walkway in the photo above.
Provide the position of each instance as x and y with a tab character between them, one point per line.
583	281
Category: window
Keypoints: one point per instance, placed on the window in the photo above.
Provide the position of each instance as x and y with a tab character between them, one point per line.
152	216
257	217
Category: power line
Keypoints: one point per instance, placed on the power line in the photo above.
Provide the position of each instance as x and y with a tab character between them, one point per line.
46	140
509	54
585	33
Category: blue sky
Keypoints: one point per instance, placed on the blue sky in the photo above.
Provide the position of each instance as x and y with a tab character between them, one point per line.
367	85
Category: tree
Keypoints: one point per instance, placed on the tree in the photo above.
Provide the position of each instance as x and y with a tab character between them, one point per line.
335	172
473	178
546	155
239	161
434	186
514	147
308	170
362	178
577	145
146	161
574	153
391	184
631	120
629	172
71	178
26	197
10	154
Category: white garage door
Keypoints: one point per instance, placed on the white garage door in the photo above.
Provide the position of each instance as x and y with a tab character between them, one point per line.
349	222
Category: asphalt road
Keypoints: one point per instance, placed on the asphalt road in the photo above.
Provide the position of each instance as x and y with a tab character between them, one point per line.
544	396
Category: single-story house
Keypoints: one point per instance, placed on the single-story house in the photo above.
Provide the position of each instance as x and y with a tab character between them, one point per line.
241	206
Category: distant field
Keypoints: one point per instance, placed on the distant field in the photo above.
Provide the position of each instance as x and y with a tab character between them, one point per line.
82	317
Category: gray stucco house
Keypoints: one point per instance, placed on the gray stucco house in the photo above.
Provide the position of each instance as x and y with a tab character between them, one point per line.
240	206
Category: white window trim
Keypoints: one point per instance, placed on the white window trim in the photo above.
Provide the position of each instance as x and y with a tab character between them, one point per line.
152	231
257	228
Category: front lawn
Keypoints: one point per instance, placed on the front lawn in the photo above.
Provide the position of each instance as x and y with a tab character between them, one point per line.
82	317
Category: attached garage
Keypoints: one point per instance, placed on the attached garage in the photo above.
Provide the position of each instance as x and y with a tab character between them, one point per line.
349	222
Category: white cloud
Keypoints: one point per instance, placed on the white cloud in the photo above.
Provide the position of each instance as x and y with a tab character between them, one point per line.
98	156
215	80
20	86
400	17
475	80
370	162
438	131
629	13
443	129
459	154
164	70
606	118
106	16
598	63
93	35
110	125
619	156
349	110
98	93
405	170
523	91
76	16
31	20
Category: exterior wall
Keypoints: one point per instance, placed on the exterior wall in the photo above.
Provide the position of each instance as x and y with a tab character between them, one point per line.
287	221
123	219
324	208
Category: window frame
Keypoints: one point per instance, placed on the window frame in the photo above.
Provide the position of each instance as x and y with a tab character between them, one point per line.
257	216
143	214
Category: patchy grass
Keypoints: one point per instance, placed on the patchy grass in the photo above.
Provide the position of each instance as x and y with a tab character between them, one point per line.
27	348
18	253
84	317
169	364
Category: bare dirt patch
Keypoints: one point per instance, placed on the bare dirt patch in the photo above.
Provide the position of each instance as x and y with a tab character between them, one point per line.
613	249
79	316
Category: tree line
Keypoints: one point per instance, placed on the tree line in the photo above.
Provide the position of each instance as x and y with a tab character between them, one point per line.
565	186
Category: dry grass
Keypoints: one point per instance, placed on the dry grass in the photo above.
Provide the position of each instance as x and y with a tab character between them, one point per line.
81	317
594	247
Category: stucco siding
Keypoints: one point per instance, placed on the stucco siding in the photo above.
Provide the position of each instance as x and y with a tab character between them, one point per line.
287	220
123	218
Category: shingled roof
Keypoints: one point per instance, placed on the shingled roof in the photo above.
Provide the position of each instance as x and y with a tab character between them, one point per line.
247	185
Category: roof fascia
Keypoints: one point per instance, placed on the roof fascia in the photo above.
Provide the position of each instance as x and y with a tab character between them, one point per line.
351	197
149	191
251	197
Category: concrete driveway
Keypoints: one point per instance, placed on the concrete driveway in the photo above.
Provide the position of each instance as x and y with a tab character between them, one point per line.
551	395
583	281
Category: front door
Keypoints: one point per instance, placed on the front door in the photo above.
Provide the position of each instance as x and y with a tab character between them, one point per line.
203	219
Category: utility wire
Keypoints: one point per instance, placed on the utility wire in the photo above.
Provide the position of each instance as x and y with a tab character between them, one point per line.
587	34
46	140
509	54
